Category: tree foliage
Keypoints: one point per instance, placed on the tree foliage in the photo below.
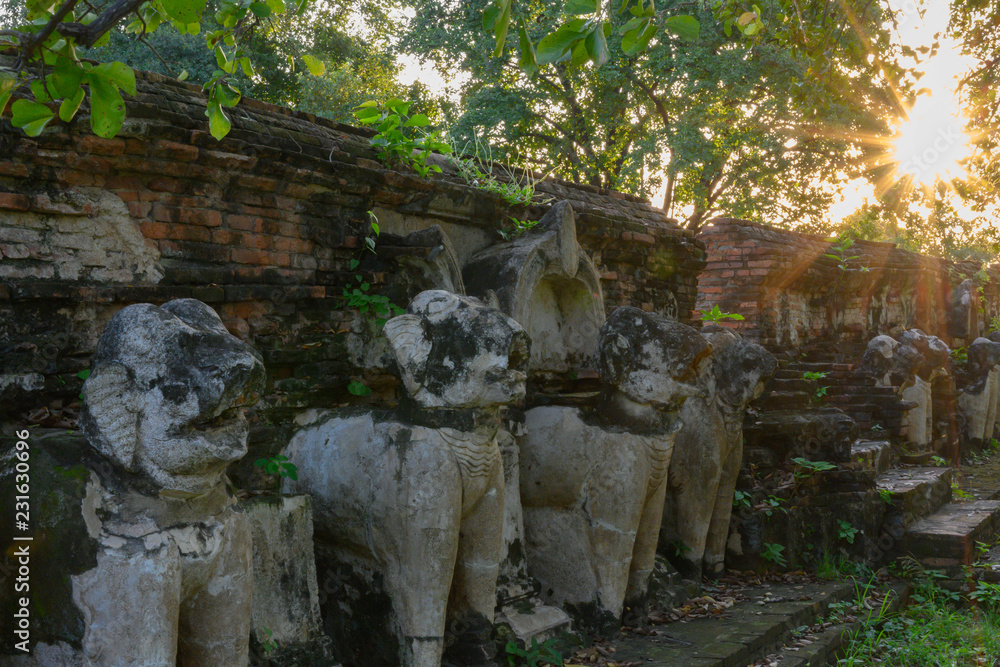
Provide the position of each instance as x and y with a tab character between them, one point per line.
757	125
49	75
976	23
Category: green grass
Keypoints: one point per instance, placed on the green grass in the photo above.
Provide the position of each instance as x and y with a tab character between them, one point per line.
935	629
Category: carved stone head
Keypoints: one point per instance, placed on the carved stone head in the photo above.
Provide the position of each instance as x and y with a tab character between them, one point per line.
458	352
740	368
164	395
984	355
650	359
932	350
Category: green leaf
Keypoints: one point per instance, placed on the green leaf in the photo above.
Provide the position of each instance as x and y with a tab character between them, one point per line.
84	374
40	90
7	86
417	120
358	388
597	47
501	27
226	95
183	75
315	65
107	108
574	7
118	74
685	27
556	45
247	67
638	39
528	61
218	123
66	77
277	6
185	11
490	15
580	53
32	117
260	9
70	105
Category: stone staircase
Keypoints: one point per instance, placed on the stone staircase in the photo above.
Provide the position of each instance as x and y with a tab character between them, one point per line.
924	521
850	390
922	518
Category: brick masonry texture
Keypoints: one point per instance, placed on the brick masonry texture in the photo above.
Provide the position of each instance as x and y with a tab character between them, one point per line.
793	297
262	226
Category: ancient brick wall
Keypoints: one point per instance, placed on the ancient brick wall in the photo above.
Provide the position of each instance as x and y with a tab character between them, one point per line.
262	226
795	298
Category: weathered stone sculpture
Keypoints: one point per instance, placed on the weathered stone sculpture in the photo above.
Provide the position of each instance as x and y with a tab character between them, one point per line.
163	415
910	364
593	480
979	397
415	500
708	450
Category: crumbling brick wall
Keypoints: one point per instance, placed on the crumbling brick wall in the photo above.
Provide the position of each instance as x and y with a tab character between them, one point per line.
262	226
796	298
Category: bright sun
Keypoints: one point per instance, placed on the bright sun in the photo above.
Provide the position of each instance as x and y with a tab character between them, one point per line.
931	144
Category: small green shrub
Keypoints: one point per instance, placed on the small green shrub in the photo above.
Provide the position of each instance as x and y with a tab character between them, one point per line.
535	655
716	315
278	464
772	554
741	499
268	644
847	531
359	388
809	468
401	139
519	227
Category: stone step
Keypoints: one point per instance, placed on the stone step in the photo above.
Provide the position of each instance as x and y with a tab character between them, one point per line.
916	492
948	537
876	455
822	647
746	632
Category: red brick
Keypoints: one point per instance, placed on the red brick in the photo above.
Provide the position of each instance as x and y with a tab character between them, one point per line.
227	237
199	216
247	256
175	151
13	169
163	184
180	232
240	222
14	202
99	145
139	209
155	230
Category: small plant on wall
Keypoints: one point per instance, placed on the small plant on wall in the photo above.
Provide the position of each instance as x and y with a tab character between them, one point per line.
716	315
401	138
772	553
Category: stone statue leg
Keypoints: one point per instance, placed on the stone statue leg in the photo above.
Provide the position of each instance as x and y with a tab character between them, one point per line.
130	605
473	590
478	562
614	509
694	478
215	614
718	528
644	551
422	547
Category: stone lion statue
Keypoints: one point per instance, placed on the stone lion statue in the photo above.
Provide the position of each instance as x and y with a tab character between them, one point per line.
708	451
593	479
409	504
163	417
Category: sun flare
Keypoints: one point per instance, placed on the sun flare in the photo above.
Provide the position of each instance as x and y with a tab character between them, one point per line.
931	144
